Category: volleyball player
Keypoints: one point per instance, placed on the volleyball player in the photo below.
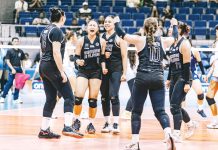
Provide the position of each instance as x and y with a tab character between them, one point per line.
90	59
132	64
116	62
54	78
179	81
149	78
213	87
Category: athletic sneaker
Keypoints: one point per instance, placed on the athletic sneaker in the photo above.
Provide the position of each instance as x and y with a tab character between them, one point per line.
115	129
90	129
69	131
2	100
177	137
212	125
191	129
201	112
76	125
132	146
47	134
106	128
170	143
126	115
18	101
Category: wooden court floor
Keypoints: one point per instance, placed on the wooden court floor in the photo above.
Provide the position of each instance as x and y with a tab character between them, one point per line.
19	129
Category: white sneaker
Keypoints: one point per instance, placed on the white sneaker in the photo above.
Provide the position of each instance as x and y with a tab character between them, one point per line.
191	129
126	115
18	101
2	100
177	138
212	125
115	129
106	128
132	146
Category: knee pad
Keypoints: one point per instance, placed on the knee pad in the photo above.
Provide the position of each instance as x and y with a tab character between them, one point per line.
175	109
115	100
210	101
78	100
201	96
92	103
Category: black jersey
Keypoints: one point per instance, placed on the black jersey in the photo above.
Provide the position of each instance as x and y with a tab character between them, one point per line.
91	53
51	34
176	58
151	57
114	63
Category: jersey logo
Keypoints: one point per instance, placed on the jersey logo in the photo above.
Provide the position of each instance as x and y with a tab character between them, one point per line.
19	54
97	44
111	40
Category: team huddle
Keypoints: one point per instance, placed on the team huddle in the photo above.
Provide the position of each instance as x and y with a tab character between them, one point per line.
101	63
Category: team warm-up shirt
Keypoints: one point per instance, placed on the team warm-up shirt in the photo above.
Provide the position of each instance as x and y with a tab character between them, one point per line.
15	57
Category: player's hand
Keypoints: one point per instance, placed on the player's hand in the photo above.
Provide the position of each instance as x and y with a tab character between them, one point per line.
116	19
186	88
13	71
80	62
64	77
167	84
104	71
123	78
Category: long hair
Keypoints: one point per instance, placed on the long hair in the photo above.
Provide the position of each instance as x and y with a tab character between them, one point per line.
132	58
150	27
185	29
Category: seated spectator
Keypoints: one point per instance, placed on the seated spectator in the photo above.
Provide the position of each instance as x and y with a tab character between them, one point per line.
101	24
20	6
27	63
167	13
133	3
75	27
154	12
41	20
36	5
85	11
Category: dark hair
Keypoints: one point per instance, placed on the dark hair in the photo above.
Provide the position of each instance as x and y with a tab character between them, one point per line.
71	34
216	27
185	29
1	42
56	14
150	27
132	58
14	38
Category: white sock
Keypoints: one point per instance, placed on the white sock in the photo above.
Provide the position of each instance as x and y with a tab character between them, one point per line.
68	118
135	138
167	132
177	132
46	121
200	107
107	119
214	119
116	119
91	120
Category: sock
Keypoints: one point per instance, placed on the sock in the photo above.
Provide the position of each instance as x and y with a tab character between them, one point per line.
91	120
45	123
214	120
107	119
116	119
167	132
200	107
135	138
68	118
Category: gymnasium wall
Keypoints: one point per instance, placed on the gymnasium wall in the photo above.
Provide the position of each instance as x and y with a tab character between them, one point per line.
6	11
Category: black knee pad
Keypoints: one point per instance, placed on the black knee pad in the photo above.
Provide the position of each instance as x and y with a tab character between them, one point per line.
175	109
115	100
78	100
92	103
210	101
201	96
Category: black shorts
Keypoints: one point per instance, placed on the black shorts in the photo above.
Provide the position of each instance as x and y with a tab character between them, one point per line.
90	74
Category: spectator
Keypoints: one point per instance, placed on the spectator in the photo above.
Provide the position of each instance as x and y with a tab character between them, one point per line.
167	13
36	5
36	60
85	11
76	28
154	12
41	20
27	63
2	66
20	6
133	3
101	24
13	59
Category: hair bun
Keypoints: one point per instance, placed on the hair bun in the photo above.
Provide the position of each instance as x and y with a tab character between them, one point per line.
53	10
